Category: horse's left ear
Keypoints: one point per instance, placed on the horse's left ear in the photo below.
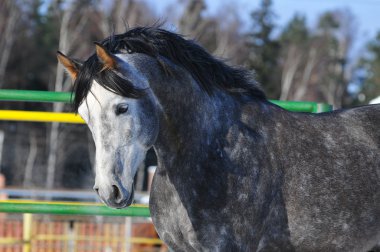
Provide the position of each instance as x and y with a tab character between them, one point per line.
108	59
72	66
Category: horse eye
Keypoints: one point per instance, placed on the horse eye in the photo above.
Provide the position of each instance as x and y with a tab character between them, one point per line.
121	109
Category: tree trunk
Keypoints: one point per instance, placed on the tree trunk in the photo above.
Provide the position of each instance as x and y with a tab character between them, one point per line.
57	107
8	37
28	176
310	64
292	62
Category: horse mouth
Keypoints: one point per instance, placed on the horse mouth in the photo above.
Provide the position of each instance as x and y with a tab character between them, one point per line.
131	197
123	203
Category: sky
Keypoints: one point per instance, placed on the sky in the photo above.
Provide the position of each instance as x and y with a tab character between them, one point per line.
366	12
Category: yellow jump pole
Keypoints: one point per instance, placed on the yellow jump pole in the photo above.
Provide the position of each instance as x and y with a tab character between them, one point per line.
27	232
37	116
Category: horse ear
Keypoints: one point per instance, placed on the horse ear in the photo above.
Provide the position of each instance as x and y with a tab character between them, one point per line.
109	60
72	66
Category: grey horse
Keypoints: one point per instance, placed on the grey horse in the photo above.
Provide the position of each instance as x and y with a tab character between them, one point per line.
235	172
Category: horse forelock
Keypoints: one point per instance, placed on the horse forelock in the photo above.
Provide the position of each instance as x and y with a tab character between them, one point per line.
208	71
91	70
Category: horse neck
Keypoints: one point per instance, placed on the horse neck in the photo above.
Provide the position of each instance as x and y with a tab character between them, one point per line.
191	119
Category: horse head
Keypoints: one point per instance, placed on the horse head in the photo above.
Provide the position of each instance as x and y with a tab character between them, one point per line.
122	115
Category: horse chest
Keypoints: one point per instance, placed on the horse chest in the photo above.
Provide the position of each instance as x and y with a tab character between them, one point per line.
184	227
188	221
170	217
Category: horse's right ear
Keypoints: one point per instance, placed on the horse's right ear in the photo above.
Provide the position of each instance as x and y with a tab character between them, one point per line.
71	66
109	61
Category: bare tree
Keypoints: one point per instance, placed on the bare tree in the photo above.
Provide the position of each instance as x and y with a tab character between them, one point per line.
192	23
67	37
28	175
290	67
10	13
123	14
1	148
316	69
229	40
335	89
219	34
309	67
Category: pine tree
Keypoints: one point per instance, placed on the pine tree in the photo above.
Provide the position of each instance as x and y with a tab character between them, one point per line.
33	54
293	59
371	66
295	31
333	50
264	49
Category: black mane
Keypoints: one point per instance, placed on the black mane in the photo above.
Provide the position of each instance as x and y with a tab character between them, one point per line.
209	72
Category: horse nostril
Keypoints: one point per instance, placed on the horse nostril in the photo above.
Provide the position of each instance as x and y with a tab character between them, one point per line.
96	189
116	193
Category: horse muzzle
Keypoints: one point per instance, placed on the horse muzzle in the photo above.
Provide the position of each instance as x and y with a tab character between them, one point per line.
115	196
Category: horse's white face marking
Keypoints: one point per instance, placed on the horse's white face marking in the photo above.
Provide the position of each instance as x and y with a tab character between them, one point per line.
123	130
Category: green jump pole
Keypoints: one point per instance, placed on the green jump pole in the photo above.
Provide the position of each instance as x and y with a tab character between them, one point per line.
296	106
323	107
34	96
303	106
48	96
70	208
